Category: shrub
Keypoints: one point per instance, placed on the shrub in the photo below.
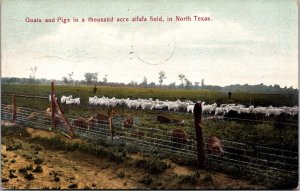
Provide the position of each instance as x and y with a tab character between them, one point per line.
183	160
14	147
14	130
134	149
192	179
121	174
86	188
38	168
11	174
55	176
208	178
52	142
147	180
28	157
29	167
23	170
73	185
154	165
116	157
37	148
56	179
28	176
124	153
38	160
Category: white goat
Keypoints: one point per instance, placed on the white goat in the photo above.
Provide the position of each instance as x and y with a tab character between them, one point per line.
208	108
75	101
190	108
63	98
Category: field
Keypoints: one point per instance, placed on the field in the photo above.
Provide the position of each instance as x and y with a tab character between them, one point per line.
64	167
163	94
265	133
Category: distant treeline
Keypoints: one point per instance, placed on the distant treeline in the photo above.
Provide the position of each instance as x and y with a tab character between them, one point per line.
260	88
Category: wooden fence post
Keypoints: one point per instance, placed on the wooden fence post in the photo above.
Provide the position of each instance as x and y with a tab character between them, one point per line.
199	135
13	109
110	114
111	128
53	105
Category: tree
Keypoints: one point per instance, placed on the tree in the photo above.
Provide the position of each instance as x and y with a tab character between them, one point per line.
69	79
161	77
65	80
181	78
91	77
197	84
172	85
70	75
33	71
105	78
144	82
188	83
152	85
132	83
202	83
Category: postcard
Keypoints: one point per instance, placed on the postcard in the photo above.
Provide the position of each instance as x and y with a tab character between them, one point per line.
153	94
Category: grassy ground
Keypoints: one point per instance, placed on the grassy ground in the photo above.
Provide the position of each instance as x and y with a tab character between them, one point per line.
163	94
39	159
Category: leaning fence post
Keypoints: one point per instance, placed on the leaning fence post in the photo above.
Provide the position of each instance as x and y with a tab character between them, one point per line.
14	108
199	135
53	105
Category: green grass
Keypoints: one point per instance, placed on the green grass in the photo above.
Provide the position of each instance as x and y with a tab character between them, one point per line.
153	165
208	96
58	143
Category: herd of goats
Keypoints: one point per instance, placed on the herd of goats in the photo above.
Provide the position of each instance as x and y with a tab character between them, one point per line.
177	135
183	106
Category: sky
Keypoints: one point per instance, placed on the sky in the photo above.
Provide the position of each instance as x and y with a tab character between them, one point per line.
249	42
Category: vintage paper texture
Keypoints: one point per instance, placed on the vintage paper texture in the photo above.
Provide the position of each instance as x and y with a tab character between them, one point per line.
148	55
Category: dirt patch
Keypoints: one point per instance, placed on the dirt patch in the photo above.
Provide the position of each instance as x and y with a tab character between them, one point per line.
64	170
70	168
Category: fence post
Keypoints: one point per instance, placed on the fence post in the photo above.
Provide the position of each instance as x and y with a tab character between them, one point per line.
111	128
53	105
110	114
199	135
14	108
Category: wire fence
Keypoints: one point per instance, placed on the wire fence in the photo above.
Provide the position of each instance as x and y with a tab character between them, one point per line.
244	160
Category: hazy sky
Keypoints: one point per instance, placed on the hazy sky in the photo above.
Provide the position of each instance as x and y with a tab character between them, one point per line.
246	42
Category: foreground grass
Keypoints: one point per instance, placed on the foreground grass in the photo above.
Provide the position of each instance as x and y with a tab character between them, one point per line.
154	164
